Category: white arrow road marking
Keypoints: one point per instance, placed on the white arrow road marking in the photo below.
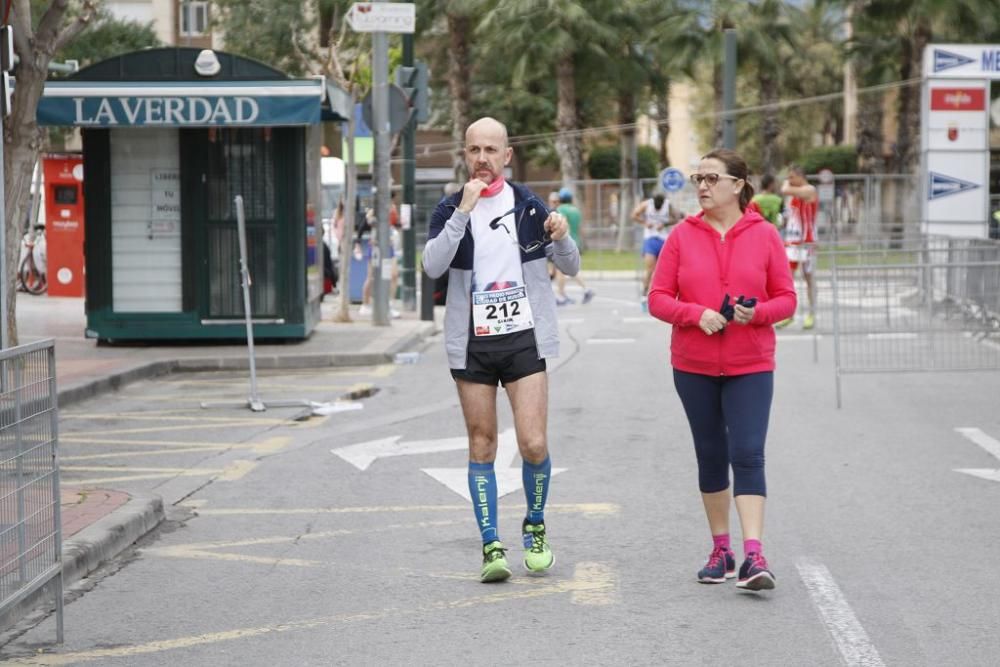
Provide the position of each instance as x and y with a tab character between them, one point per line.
991	445
364	454
508	478
851	639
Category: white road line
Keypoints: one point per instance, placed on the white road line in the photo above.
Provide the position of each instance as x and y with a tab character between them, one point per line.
893	336
798	337
988	443
610	341
851	639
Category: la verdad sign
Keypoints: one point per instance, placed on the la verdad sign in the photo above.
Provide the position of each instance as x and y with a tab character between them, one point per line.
172	111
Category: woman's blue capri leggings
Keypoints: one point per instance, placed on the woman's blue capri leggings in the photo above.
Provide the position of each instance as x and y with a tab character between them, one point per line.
728	417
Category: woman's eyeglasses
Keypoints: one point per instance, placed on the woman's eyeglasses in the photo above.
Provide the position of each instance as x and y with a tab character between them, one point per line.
710	179
531	204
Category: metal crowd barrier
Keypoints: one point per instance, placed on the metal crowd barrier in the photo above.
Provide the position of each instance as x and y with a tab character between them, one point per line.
30	532
931	304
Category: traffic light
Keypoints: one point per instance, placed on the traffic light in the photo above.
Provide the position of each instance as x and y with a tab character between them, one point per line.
413	81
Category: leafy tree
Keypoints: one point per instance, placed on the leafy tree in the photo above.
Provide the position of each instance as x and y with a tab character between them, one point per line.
603	161
551	36
911	25
41	28
106	37
840	159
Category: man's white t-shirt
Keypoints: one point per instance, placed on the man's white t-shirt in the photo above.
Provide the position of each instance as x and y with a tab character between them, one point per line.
496	268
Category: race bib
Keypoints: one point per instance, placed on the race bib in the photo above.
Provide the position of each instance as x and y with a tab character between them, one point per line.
501	312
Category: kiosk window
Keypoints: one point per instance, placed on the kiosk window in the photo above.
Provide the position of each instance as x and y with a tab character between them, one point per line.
64	194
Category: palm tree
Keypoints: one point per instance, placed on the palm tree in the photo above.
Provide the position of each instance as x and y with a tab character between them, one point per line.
913	24
765	34
552	35
36	38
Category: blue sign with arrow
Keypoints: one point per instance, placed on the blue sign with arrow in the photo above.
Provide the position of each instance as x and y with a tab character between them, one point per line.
672	179
943	186
947	60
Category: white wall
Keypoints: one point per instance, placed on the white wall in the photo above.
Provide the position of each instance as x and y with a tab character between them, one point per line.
145	221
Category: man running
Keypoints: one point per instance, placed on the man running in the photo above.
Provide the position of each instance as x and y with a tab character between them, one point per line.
656	216
494	238
801	203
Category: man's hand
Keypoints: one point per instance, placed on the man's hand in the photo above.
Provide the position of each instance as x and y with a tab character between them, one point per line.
711	322
556	226
470	195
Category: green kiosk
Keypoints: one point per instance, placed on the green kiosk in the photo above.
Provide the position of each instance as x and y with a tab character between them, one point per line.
170	137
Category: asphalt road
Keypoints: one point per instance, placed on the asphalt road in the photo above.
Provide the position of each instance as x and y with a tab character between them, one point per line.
281	551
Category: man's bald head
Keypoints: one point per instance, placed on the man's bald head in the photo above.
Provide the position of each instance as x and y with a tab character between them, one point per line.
486	149
488	127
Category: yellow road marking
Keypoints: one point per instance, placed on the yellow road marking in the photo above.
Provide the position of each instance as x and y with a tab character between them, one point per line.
164	415
234	471
188	427
587	509
587	581
149	452
603	590
268	446
206	550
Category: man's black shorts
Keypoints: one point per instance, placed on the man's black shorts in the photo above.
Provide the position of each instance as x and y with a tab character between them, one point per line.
488	363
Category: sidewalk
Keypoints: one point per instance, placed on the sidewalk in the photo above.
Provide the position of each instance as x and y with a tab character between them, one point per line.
98	524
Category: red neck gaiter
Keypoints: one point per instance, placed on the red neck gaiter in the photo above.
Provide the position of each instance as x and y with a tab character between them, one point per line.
494	188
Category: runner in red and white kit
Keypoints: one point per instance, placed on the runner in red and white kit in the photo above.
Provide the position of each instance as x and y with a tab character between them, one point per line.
801	204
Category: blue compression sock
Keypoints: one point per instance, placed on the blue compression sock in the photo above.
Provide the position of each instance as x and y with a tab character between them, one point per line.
483	491
535	477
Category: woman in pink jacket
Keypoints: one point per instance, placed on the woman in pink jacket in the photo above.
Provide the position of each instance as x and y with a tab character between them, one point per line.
722	281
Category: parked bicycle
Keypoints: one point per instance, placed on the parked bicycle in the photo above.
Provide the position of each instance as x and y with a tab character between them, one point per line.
32	264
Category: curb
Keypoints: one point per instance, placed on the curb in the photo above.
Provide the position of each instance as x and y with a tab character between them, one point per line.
90	388
92	547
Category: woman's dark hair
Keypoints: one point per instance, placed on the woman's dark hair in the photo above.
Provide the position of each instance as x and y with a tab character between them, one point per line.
735	166
767	181
658	199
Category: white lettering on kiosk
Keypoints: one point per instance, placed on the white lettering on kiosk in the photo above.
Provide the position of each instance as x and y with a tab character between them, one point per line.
169	111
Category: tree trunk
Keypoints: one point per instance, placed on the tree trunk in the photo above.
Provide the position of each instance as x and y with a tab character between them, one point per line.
871	142
347	240
628	169
567	139
908	122
459	86
22	143
717	94
771	159
663	122
908	126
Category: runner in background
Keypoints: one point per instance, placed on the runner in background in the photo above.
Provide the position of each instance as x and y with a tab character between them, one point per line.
769	202
564	204
656	216
801	204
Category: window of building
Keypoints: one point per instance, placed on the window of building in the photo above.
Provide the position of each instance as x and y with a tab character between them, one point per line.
194	18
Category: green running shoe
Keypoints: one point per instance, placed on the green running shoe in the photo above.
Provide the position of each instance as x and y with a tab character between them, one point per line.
538	556
494	563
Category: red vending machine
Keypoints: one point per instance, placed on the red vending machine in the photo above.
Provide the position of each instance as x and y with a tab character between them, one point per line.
64	224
